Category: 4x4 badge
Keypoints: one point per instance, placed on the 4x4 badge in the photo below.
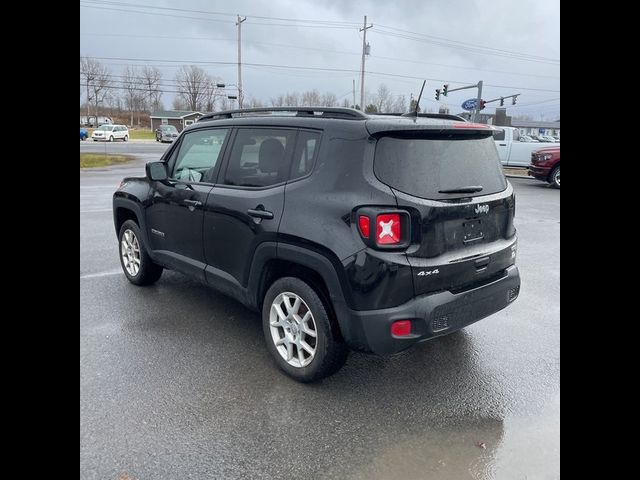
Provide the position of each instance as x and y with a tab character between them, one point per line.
423	273
482	209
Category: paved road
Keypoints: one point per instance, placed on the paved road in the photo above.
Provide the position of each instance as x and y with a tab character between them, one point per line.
175	381
131	147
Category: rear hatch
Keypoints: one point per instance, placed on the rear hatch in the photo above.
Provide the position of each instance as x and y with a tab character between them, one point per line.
461	206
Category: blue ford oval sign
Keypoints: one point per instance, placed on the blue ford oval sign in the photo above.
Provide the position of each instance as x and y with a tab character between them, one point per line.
469	104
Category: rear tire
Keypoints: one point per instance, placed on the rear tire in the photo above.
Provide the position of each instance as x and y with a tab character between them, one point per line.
290	331
134	259
555	177
126	138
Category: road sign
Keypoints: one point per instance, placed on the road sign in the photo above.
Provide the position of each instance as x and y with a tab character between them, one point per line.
469	104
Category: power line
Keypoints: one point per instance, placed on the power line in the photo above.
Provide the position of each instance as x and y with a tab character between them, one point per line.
467	48
328	69
382	29
465	43
213	19
373	57
209	12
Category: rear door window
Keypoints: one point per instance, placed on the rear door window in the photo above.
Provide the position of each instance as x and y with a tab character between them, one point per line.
423	166
260	157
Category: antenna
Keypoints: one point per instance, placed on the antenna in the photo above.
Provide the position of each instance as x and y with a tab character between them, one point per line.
415	112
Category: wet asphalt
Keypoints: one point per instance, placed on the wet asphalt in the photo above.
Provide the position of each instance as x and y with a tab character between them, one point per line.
175	380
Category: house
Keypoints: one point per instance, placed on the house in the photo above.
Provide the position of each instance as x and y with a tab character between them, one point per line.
537	128
525	127
177	118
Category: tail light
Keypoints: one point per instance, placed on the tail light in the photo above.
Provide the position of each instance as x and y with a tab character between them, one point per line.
363	225
401	328
384	229
388	229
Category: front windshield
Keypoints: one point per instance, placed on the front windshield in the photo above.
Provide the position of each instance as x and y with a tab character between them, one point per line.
105	127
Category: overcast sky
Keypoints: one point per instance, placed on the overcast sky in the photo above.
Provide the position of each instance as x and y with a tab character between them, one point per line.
514	47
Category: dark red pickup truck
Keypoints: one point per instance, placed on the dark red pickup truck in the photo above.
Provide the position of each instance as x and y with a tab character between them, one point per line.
545	165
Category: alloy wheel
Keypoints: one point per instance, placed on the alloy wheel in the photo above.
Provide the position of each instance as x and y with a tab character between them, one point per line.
130	251
293	329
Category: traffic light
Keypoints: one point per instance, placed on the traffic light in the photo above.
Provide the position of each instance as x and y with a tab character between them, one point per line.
513	102
437	94
501	101
482	103
445	89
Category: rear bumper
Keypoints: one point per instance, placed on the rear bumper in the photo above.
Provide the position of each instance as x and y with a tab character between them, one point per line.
433	315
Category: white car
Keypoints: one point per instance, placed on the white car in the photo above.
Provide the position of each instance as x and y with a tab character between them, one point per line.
109	133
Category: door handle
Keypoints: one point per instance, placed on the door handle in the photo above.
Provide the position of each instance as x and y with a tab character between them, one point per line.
503	144
260	213
193	203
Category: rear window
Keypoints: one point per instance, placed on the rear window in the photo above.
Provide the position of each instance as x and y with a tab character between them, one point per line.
424	166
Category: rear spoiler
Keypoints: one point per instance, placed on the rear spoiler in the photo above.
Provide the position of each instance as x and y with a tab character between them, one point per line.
412	127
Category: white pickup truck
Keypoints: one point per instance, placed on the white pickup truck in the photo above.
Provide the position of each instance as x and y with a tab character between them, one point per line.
513	152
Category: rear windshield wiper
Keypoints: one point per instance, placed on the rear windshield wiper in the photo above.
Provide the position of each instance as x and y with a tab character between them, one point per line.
469	189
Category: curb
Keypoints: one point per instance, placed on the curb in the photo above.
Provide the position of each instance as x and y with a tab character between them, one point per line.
508	175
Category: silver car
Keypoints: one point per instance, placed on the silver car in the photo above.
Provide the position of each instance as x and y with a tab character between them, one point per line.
166	133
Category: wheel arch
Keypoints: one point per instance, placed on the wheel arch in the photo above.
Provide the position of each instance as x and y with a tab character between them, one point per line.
273	261
127	209
550	177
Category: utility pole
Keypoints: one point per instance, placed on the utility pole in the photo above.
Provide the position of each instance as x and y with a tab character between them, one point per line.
354	93
87	100
364	46
240	94
478	100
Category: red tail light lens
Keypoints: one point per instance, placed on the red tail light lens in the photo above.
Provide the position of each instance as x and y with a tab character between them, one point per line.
388	229
401	328
363	224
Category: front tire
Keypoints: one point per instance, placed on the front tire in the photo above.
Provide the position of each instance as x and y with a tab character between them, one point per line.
111	139
298	331
555	177
126	138
134	259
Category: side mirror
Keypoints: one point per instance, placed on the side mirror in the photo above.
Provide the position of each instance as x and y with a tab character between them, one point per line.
156	171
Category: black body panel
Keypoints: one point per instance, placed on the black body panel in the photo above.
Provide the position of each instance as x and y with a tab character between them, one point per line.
458	266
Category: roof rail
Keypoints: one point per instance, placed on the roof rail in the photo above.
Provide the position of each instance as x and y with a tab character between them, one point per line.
325	112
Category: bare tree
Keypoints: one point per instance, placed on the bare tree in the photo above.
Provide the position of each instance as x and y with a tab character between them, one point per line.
310	98
252	102
213	94
383	99
399	104
345	103
329	99
292	99
224	103
192	84
179	103
97	80
133	91
151	78
277	101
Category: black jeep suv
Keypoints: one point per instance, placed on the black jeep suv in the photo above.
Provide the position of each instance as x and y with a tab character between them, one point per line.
344	230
